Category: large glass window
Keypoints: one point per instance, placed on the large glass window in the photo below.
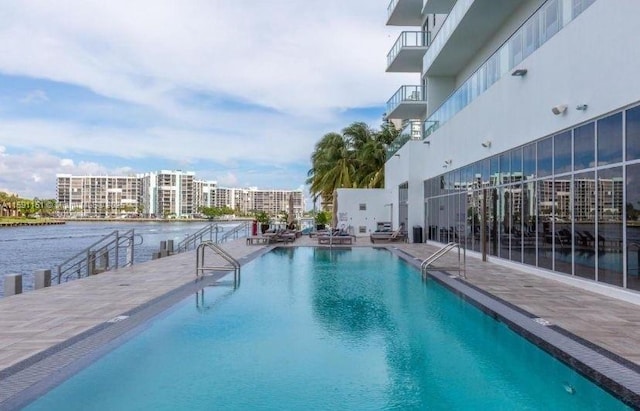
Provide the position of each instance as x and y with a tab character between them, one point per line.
633	133
563	236
610	139
529	161
516	165
545	223
562	152
633	226
610	188
584	138
530	219
545	159
584	206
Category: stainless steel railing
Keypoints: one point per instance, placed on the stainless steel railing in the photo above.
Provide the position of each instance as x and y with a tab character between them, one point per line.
462	260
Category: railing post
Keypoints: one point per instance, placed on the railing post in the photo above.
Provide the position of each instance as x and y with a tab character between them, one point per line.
130	241
42	279
88	264
59	273
117	247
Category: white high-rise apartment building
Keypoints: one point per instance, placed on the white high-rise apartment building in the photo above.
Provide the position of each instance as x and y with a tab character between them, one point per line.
165	193
521	134
169	193
97	196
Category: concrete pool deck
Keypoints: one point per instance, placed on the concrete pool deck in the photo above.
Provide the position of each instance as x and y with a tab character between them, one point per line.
37	322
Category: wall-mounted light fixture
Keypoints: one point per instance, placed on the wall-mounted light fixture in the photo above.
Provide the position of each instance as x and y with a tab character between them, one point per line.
559	109
486	144
396	155
581	107
521	72
427	142
447	163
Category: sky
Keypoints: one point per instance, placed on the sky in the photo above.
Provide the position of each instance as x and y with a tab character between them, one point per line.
237	91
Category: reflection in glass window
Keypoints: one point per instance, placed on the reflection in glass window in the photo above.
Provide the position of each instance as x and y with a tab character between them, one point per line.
562	152
516	53
633	226
551	19
545	159
610	139
494	173
610	206
516	164
633	133
529	161
531	35
584	146
580	5
584	205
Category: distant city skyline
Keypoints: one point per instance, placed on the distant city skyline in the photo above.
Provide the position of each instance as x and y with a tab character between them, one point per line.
239	91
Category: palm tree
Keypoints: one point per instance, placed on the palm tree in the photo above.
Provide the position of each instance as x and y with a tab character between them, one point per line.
353	159
332	166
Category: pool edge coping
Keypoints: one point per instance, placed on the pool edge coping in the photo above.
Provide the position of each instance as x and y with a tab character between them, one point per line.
614	374
45	370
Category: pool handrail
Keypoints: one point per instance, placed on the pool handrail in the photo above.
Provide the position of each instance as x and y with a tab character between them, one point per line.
462	260
200	266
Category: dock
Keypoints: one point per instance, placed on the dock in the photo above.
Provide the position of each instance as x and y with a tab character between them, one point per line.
37	324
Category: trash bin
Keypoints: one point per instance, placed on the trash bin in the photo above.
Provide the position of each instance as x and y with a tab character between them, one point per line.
417	234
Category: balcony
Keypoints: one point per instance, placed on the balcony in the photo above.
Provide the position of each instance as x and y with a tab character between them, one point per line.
469	25
407	52
412	130
404	13
409	102
438	6
552	16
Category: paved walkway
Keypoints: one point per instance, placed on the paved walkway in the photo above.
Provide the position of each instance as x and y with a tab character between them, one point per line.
35	321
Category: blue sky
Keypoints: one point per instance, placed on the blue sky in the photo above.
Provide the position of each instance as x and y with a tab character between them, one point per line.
237	91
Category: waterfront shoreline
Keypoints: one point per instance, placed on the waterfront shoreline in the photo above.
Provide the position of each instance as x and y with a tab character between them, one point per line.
27	223
30	223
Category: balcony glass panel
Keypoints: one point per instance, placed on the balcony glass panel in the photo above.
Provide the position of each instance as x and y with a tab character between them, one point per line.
406	94
408	39
412	130
539	28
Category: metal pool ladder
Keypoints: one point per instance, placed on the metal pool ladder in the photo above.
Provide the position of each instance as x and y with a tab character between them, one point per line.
462	260
233	264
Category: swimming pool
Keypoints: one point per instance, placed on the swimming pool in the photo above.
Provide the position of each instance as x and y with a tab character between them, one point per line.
314	328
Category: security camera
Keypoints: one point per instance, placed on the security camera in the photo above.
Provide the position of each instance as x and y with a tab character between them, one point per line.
559	109
486	144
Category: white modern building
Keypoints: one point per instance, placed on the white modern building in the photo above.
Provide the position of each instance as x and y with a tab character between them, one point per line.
528	149
166	193
97	196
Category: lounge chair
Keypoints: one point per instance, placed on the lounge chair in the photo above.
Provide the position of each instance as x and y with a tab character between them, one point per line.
388	236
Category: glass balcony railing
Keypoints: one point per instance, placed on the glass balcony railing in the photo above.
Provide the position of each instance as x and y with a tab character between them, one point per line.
392	5
548	20
408	39
412	130
406	94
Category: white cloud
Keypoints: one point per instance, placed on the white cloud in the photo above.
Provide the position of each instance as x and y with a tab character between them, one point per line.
195	66
35	96
228	180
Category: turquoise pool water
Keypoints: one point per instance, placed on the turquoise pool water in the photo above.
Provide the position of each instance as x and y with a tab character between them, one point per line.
315	329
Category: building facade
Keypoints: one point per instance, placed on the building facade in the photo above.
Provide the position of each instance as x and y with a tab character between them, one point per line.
166	194
528	141
97	196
